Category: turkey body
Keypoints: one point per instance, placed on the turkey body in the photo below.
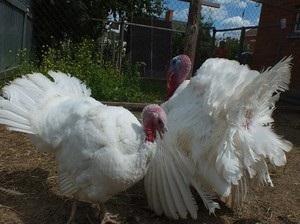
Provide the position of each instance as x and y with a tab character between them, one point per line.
94	145
219	136
100	150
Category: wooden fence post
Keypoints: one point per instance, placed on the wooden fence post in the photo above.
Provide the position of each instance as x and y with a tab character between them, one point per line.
192	30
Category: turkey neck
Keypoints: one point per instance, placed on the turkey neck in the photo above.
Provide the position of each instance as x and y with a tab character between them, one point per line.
150	134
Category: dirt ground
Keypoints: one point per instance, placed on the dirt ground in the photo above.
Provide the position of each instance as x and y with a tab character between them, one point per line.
29	192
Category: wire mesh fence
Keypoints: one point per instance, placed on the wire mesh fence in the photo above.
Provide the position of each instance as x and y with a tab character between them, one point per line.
151	32
151	38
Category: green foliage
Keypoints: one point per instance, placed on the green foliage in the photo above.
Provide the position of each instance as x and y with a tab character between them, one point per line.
25	67
81	18
204	42
83	60
129	8
232	45
178	38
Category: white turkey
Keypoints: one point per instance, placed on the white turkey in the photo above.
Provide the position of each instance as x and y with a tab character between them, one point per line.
219	135
100	150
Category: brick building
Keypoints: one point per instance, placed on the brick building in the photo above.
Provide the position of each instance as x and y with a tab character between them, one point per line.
250	39
278	35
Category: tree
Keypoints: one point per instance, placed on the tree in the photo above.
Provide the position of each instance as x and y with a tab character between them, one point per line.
232	44
204	41
75	19
128	9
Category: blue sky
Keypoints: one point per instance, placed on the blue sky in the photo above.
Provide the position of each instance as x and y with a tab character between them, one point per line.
231	14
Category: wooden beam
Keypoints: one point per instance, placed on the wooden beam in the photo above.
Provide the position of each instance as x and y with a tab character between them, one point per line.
192	31
205	3
19	5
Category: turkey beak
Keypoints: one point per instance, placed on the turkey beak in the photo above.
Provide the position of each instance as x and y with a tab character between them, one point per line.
162	133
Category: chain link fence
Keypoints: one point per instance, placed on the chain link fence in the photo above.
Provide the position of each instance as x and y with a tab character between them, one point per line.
153	38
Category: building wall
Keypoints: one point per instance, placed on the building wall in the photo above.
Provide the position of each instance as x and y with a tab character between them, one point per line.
274	43
15	32
250	40
151	46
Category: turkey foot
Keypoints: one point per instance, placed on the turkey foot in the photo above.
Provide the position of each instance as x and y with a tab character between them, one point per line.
110	218
107	217
73	211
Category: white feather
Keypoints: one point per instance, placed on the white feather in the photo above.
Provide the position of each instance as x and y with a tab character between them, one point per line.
218	136
70	84
100	150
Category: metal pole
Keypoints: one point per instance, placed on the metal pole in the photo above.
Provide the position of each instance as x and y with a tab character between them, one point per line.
121	45
241	45
151	49
281	35
23	44
101	47
114	49
213	42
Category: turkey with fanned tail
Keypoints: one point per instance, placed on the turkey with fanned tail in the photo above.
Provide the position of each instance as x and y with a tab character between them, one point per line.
100	150
219	135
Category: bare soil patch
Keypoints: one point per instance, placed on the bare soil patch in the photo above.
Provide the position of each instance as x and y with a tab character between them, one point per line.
31	178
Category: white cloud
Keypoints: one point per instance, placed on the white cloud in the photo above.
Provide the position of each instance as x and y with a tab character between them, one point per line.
214	13
226	1
235	3
241	4
181	15
233	34
236	21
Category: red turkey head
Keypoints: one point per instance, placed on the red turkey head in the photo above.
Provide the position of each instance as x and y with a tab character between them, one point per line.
180	67
154	120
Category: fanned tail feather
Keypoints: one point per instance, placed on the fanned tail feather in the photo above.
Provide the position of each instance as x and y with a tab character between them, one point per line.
24	94
70	84
259	136
225	140
254	138
20	97
276	78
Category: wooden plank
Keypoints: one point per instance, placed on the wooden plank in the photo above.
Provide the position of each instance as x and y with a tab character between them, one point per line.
205	3
17	4
129	105
20	6
192	31
140	106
